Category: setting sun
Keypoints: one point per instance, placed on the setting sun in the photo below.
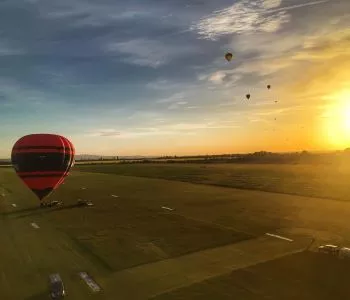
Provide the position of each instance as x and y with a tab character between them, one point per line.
337	120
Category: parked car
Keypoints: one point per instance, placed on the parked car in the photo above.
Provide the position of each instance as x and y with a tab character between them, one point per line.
329	249
344	252
57	290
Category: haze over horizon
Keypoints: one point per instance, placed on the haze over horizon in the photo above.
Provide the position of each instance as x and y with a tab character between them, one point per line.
151	78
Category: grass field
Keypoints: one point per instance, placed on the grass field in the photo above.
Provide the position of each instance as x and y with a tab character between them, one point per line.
300	276
326	181
133	229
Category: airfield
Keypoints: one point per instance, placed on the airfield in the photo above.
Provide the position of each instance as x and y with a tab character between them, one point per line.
179	231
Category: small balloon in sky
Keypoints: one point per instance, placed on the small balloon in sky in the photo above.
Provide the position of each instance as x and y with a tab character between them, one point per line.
248	96
228	56
268	86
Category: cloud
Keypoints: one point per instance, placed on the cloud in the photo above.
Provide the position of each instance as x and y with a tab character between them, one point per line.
242	17
177	105
221	77
327	77
264	67
277	111
105	132
268	4
172	98
325	47
198	126
148	52
7	49
166	129
310	3
139	132
262	46
88	13
287	54
247	16
230	103
217	77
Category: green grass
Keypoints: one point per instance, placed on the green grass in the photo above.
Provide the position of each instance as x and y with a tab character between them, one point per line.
300	276
323	181
133	229
115	234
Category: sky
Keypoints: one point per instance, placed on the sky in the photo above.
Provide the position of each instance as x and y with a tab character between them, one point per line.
150	78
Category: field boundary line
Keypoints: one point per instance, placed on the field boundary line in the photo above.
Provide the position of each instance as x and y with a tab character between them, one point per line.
279	237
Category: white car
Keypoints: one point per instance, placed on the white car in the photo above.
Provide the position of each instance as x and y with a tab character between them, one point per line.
344	252
329	249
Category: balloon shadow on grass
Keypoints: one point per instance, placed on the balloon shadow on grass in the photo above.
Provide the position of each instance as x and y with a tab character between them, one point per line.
37	211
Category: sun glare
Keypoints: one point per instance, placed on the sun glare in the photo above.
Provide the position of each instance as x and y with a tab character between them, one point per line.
337	120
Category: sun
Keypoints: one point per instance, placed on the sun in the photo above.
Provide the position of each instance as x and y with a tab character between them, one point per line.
337	120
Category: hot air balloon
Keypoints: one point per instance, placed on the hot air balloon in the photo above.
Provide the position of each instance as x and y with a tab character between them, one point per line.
42	161
248	96
228	56
268	86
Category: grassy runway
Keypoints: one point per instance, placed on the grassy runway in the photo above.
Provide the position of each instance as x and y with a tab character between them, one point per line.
132	229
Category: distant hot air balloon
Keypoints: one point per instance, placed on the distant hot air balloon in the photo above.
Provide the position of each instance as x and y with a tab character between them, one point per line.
268	86
248	96
228	56
42	161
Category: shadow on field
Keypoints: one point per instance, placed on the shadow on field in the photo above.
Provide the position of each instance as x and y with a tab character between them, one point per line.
39	296
37	210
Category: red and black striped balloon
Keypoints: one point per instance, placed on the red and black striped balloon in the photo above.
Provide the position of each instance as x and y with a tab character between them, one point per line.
42	161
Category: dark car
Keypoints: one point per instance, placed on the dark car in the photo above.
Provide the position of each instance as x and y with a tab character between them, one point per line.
56	287
82	202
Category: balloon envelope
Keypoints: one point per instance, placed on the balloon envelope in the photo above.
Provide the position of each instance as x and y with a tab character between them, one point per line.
42	161
228	56
268	86
248	96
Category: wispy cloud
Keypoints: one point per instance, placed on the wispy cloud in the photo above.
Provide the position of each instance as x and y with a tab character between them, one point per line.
221	77
290	7
217	77
177	104
172	98
198	126
243	16
277	111
105	132
230	103
7	49
148	52
190	107
168	129
87	13
325	47
247	16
